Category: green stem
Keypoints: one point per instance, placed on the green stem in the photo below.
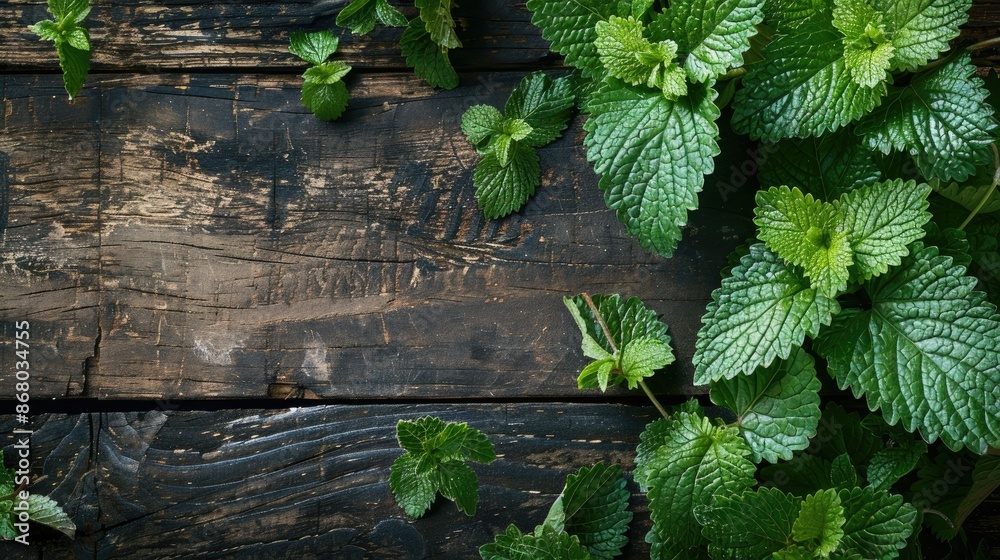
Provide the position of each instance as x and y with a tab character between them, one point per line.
614	350
989	191
984	44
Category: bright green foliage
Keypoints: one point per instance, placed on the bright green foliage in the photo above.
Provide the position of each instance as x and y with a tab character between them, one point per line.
761	312
803	86
41	509
360	16
436	15
638	347
921	29
630	57
881	220
696	463
544	544
71	39
751	525
819	525
594	508
536	113
428	59
571	27
434	461
652	154
713	34
925	352
826	167
324	92
878	524
940	118
807	233
777	407
867	49
654	436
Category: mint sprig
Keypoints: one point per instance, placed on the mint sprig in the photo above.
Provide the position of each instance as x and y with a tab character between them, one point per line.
324	92
71	39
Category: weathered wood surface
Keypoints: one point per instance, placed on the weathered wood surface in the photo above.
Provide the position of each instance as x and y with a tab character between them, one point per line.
302	483
167	36
234	241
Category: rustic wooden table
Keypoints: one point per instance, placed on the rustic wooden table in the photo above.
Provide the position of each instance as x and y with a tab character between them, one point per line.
199	258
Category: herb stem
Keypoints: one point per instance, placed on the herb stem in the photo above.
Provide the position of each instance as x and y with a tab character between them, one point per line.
989	191
614	350
984	44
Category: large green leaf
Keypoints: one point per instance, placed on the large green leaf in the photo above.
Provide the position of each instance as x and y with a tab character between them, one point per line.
697	463
751	525
570	26
940	118
777	407
761	312
542	545
878	524
802	87
921	29
925	352
594	507
652	155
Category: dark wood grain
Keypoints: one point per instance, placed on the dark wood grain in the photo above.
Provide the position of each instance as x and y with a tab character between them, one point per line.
243	243
170	36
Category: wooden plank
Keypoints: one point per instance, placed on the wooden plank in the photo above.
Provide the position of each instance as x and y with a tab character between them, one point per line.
245	243
290	483
49	233
130	35
313	481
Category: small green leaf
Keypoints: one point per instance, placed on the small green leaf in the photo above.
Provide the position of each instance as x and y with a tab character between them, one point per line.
358	16
480	123
543	545
571	27
630	57
437	20
921	29
842	472
73	10
328	73
313	48
428	60
78	38
893	463
626	320
503	189
413	492
459	483
45	510
820	522
389	15
543	104
777	407
750	525
48	30
594	507
761	312
642	357
326	101
807	233
878	524
867	49
654	436
75	65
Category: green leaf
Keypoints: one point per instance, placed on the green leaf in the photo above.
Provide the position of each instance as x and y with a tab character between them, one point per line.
630	57
75	65
820	522
544	104
597	374
459	483
7	485
714	34
48	30
328	73
389	15
413	492
544	545
326	101
882	219
969	195
777	407
7	530
802	87
626	320
78	39
867	49
697	463
924	352
313	48
826	167
642	357
985	479
751	525
878	524
481	123
842	472
73	10
807	233
783	16
571	27
654	436
761	312
940	118
893	463
652	155
358	16
45	510
921	29
984	248
436	15
503	189
594	507
428	60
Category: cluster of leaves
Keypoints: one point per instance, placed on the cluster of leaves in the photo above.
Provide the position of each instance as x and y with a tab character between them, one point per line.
324	92
435	461
71	39
425	42
40	509
536	113
588	520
